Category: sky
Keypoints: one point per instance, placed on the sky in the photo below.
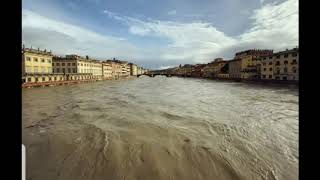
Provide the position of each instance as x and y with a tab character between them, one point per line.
159	34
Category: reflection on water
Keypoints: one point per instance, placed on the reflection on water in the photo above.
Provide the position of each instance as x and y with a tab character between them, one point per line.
161	128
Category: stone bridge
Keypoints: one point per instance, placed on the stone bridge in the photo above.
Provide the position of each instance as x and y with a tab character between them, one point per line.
156	73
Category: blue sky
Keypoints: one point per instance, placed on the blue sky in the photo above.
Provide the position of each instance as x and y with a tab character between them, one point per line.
159	33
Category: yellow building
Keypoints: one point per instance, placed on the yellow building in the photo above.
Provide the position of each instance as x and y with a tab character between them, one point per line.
74	64
249	61
107	70
36	61
125	69
213	68
133	69
283	65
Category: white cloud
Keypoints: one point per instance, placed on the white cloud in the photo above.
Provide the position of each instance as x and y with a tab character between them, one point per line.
274	26
172	12
63	38
165	67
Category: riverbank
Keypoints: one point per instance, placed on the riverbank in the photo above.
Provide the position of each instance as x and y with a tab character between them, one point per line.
68	82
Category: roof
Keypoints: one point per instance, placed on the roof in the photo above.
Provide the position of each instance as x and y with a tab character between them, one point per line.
37	51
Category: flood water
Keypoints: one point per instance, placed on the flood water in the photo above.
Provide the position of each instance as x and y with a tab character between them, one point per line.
161	128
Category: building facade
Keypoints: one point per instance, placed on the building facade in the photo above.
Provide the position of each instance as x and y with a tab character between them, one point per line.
197	70
74	64
234	69
36	61
133	69
107	70
283	65
249	60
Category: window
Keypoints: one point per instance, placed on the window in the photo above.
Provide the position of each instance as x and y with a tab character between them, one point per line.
55	78
43	79
36	79
28	58
49	78
29	79
57	70
69	70
270	57
270	69
74	70
78	64
63	64
264	58
284	78
35	59
270	76
278	57
294	54
294	69
63	70
278	63
42	60
285	70
36	70
69	64
277	77
285	62
60	78
270	63
294	61
73	64
286	55
58	64
49	61
263	76
81	64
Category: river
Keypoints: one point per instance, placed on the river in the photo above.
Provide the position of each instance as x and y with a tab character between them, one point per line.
161	128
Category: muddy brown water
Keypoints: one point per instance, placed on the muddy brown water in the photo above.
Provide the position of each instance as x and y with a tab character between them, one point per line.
161	128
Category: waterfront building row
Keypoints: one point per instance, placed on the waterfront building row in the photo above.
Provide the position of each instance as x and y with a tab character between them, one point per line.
253	64
42	66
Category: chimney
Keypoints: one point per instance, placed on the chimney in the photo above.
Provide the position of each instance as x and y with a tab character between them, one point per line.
87	57
38	49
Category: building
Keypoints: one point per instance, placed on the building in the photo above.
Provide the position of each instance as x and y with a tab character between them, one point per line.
283	65
184	70
213	68
133	69
74	64
107	70
36	61
197	70
125	69
116	68
249	60
234	68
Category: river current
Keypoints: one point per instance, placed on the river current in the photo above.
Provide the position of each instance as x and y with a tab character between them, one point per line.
161	128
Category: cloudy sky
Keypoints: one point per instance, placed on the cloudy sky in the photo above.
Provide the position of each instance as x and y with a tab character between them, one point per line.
159	33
